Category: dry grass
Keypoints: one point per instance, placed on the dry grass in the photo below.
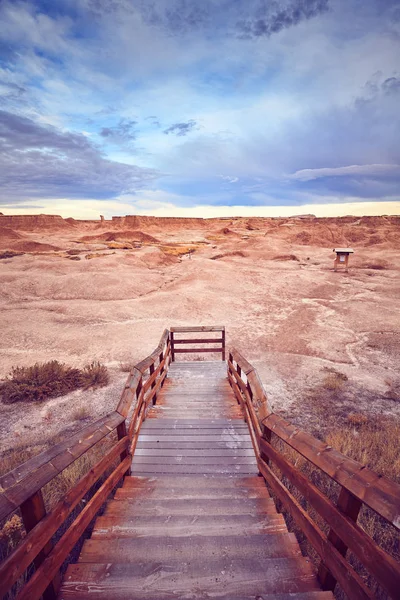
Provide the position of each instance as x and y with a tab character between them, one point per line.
372	441
178	250
94	375
12	531
10	254
125	367
50	380
80	413
119	246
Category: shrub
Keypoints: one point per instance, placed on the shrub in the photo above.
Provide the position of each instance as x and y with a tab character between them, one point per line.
50	380
125	367
81	412
94	375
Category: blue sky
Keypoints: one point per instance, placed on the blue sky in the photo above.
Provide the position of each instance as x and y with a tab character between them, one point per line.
199	107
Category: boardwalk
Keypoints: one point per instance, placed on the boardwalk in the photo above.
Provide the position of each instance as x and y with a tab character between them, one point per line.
194	520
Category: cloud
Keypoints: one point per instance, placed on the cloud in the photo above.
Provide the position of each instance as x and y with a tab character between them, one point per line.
121	134
273	20
349	171
254	18
181	129
42	161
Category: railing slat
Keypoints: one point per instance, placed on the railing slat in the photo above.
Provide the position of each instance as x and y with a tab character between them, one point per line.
199	328
32	512
350	582
380	564
32	475
379	493
199	341
46	572
41	532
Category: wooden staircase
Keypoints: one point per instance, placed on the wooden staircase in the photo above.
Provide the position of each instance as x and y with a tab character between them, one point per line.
198	451
194	520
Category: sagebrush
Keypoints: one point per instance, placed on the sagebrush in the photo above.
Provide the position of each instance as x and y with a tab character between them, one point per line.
50	380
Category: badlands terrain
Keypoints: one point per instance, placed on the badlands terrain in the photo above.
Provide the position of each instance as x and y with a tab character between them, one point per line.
326	344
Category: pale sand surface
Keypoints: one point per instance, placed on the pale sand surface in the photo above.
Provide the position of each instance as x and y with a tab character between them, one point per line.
292	318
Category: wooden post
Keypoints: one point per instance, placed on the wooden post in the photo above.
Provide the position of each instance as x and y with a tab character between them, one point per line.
267	436
121	433
33	511
153	384
172	347
350	506
223	344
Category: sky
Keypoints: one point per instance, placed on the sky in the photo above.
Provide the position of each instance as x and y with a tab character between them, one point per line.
199	107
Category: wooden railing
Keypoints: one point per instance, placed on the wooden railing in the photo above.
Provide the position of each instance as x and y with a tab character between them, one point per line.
21	489
218	343
277	444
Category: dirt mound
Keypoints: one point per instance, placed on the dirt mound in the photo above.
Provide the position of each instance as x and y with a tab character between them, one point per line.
227	231
34	247
285	257
34	222
155	258
120	236
235	253
159	223
8	234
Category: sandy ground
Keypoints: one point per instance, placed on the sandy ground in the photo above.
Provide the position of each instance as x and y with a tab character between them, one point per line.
293	317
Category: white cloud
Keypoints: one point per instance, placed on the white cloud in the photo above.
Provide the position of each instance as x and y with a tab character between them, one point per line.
164	207
351	170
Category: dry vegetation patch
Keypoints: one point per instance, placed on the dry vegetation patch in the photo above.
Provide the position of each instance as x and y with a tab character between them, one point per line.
50	380
10	254
178	250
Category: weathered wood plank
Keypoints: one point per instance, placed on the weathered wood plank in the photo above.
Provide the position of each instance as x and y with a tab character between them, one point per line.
36	472
110	527
379	493
41	532
201	328
131	551
218	575
50	566
199	341
166	508
380	564
350	582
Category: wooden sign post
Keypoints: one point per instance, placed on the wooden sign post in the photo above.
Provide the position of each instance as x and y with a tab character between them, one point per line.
342	258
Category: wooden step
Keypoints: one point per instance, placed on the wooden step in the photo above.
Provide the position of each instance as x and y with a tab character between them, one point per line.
189	494
194	444
181	458
195	507
190	452
194	482
199	578
145	469
192	424
167	549
187	525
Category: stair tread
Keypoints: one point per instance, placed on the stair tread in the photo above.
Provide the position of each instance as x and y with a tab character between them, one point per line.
189	494
134	507
194	481
109	526
154	579
186	548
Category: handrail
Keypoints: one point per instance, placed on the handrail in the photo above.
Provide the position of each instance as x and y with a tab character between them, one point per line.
219	343
21	488
358	486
